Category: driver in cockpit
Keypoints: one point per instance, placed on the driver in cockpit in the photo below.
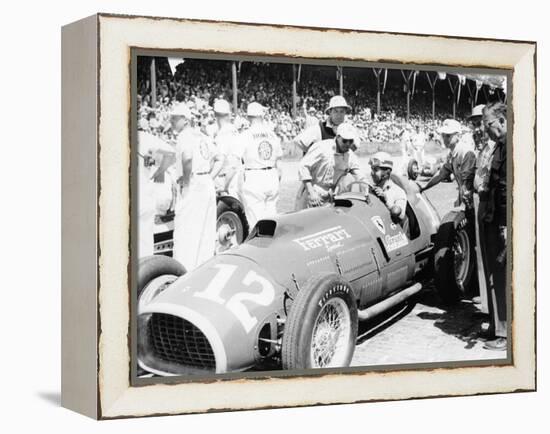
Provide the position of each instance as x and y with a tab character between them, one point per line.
393	196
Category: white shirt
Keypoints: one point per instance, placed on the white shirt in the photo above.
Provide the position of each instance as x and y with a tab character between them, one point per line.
229	144
261	148
193	145
323	166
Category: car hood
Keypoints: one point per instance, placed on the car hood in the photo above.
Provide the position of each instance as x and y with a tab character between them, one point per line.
229	299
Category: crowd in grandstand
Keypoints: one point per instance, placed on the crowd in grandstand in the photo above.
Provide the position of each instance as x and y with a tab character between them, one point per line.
199	83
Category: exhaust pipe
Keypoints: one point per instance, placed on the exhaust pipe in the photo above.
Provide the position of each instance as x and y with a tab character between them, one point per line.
388	303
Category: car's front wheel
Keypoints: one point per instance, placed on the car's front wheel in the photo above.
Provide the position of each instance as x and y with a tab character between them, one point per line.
152	267
454	258
321	328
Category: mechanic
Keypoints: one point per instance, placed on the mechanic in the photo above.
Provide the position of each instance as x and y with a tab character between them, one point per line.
393	196
197	165
227	141
324	165
260	154
460	162
494	224
322	130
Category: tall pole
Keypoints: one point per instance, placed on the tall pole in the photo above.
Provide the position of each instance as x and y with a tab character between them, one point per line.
432	86
408	102
407	81
153	83
433	102
378	94
341	80
234	79
377	73
294	93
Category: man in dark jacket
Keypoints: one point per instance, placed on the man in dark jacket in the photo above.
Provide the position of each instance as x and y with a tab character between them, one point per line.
495	226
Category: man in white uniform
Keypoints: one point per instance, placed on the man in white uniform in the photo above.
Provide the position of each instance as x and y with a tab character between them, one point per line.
324	165
261	154
322	130
228	142
197	164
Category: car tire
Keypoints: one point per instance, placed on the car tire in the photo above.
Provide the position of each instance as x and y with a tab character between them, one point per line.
322	294
231	211
454	275
151	267
413	170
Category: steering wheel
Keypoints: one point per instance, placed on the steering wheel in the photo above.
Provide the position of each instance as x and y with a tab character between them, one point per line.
363	187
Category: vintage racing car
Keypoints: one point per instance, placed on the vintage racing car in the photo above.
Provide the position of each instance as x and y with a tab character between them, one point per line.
294	291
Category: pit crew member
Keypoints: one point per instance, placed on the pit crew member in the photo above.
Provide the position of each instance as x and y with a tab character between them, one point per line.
260	155
337	110
197	164
461	162
324	165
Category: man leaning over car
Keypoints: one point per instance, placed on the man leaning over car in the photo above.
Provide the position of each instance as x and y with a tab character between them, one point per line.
324	165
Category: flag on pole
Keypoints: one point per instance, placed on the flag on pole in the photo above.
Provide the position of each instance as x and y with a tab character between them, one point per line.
173	62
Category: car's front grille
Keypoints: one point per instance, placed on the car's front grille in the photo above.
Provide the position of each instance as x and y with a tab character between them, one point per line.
176	340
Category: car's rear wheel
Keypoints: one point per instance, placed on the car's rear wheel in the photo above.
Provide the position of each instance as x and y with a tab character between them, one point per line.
454	258
231	223
321	328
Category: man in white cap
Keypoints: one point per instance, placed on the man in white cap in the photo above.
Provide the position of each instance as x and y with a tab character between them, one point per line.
393	196
261	153
324	165
229	146
461	162
197	164
323	130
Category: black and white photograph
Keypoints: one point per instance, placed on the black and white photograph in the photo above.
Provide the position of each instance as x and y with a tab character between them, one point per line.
291	216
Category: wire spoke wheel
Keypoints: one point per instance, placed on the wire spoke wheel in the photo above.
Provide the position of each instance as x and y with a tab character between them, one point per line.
230	230
461	254
331	335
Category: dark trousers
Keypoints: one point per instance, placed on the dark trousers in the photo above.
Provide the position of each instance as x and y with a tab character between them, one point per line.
493	249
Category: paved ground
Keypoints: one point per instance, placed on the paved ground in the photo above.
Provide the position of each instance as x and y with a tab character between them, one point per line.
422	330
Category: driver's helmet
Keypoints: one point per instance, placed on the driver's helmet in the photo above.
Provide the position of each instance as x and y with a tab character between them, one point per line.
382	160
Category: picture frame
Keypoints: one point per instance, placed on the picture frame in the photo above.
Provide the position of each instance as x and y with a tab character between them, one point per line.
96	244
